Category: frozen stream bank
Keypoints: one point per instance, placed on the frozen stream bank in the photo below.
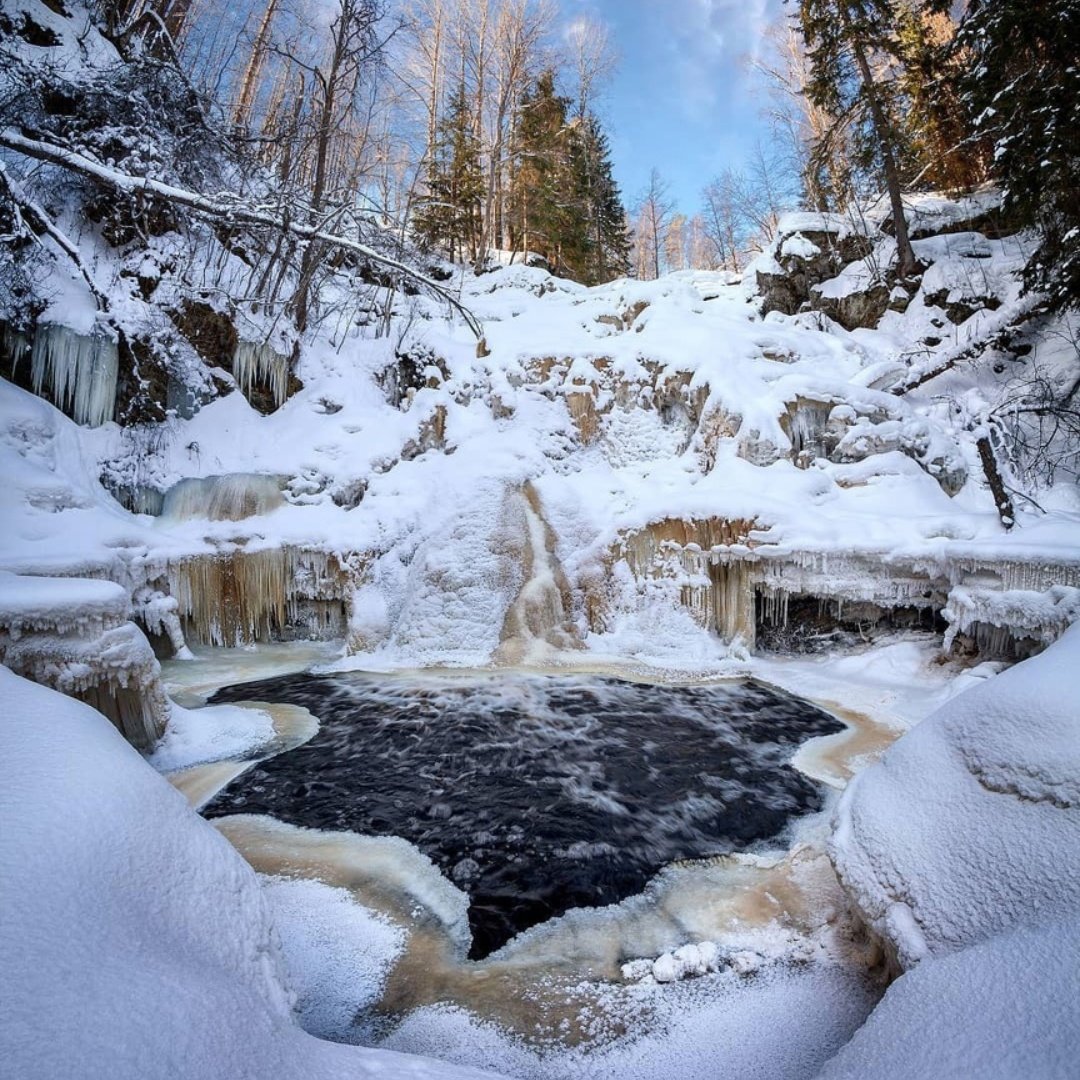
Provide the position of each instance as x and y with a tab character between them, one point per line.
773	924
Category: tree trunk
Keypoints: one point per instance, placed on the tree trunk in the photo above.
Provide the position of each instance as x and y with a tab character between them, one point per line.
997	485
253	70
907	264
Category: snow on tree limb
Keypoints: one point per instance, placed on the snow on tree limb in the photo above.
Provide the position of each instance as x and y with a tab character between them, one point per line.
224	207
38	221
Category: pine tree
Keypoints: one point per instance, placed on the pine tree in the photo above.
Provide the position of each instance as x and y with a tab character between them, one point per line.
450	215
846	40
609	255
539	194
1022	82
938	125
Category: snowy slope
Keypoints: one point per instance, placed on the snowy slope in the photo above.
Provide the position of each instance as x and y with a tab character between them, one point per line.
136	942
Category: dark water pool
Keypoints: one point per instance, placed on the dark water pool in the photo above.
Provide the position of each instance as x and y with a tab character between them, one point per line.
536	794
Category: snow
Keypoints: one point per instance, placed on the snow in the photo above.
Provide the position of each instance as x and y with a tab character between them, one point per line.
1000	1009
970	825
211	733
333	986
60	604
141	944
782	1022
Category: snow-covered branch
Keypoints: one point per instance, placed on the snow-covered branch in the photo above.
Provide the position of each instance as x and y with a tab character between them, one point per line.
38	221
223	207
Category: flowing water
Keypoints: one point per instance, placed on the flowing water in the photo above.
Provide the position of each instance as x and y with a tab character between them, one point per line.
537	794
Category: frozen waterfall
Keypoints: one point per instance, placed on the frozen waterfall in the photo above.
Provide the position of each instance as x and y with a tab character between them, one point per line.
222	498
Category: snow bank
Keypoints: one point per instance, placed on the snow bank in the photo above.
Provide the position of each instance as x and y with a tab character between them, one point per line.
784	1022
999	1010
336	953
136	942
970	825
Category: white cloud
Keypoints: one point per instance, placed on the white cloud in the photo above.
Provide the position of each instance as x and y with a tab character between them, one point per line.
709	41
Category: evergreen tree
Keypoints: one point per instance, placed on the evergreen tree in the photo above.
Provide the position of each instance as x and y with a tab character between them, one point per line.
938	125
450	216
607	251
565	202
1022	82
539	193
846	41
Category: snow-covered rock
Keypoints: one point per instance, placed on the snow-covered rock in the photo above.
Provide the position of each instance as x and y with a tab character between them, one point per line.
999	1010
970	825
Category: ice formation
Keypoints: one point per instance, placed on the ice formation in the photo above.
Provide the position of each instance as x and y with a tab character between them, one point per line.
538	621
78	370
73	635
260	364
236	597
222	498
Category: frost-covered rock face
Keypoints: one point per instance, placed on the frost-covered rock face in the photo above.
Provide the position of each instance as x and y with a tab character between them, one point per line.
431	507
970	825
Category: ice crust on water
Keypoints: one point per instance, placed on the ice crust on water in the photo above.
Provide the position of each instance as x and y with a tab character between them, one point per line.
784	1023
333	986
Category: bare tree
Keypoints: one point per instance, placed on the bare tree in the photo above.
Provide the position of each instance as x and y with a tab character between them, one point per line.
592	59
654	212
722	222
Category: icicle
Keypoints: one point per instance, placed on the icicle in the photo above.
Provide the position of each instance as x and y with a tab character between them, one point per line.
222	498
15	344
242	597
259	363
79	370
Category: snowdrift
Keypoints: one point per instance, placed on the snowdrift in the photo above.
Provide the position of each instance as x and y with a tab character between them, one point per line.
136	942
970	825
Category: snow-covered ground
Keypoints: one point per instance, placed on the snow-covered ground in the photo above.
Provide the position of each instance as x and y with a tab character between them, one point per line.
136	941
642	477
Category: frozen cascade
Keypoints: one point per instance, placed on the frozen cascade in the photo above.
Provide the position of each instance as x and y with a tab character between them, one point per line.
538	619
159	614
804	424
233	497
79	370
239	597
259	363
73	635
706	563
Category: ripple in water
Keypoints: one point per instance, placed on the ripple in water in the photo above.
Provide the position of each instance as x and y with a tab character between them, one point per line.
536	794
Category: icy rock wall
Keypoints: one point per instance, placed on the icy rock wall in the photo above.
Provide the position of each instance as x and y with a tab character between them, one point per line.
222	498
79	371
73	635
706	562
239	597
729	581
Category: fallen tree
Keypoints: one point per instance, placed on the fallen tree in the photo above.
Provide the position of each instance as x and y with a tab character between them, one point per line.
229	210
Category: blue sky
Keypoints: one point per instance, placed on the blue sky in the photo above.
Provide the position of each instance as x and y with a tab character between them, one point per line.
681	98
